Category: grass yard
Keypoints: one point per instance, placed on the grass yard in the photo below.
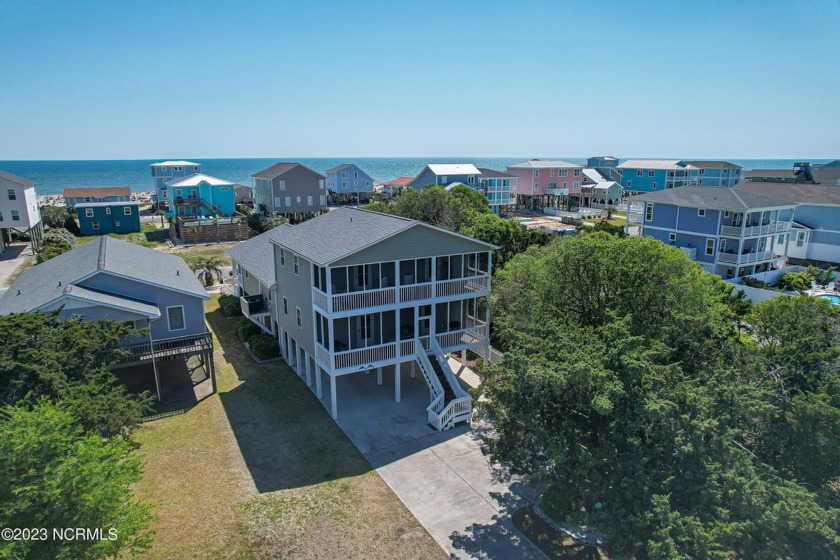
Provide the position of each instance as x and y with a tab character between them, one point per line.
261	470
148	236
210	250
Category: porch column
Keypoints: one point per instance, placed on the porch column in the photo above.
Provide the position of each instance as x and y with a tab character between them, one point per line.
333	407
397	382
379	375
413	374
283	351
308	373
318	381
464	357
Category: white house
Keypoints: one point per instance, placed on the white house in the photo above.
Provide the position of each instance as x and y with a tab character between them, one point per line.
18	209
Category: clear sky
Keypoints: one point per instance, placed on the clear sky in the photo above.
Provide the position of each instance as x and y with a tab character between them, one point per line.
119	79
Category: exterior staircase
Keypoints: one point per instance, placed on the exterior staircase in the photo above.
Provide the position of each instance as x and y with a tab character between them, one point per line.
450	404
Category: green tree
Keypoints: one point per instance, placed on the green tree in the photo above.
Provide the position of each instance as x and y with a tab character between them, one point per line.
261	223
68	360
59	236
54	216
57	476
71	225
206	268
160	213
796	281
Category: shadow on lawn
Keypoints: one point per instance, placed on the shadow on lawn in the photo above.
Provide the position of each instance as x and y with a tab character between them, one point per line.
284	434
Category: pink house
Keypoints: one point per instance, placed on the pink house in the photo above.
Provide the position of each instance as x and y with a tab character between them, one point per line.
542	183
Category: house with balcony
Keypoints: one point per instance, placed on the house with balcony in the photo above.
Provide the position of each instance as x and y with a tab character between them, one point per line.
201	196
289	188
814	237
348	183
101	218
716	173
395	187
547	183
651	175
165	171
19	210
354	292
446	174
598	191
730	232
119	281
78	195
498	187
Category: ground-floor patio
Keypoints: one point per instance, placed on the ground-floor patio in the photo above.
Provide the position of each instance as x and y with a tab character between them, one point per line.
180	380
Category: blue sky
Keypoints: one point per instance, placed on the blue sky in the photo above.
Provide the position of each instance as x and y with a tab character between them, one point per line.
102	80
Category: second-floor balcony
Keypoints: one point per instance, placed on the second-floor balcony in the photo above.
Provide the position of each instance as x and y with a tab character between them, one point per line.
557	191
756	229
746	258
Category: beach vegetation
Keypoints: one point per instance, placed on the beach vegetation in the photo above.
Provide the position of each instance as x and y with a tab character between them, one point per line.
208	269
230	306
261	223
54	216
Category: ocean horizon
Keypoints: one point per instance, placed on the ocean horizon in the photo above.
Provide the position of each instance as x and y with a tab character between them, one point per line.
52	176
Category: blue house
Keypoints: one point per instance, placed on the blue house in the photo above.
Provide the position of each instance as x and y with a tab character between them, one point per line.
200	195
498	187
109	279
347	182
446	174
651	175
99	218
730	232
166	171
716	173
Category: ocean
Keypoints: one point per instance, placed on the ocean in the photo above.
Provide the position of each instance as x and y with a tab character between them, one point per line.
53	176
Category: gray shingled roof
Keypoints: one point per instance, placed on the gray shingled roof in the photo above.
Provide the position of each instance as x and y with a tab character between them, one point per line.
796	193
712	164
342	232
722	198
257	257
339	167
112	300
493	174
774	173
15	179
280	168
48	281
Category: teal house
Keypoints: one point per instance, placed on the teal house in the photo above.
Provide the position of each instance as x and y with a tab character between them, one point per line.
100	218
201	196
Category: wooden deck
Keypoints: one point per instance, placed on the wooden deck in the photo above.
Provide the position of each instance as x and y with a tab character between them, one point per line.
164	349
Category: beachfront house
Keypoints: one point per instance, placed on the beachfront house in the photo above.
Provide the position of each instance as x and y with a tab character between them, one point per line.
548	183
78	195
651	175
348	183
446	175
801	172
201	196
353	291
289	188
598	191
730	232
716	173
815	232
166	171
100	218
396	186
498	187
115	280
19	211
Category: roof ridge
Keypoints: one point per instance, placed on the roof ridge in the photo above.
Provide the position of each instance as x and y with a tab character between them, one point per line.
100	263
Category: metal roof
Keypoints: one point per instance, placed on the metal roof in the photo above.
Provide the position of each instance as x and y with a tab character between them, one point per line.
48	281
15	179
653	164
256	255
542	164
174	162
196	179
796	193
453	169
712	164
98	192
112	203
722	198
594	176
343	232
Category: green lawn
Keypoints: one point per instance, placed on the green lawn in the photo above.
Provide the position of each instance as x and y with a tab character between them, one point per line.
261	470
148	236
211	250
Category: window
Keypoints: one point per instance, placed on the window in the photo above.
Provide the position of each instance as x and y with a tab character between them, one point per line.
297	264
323	200
285	306
471	179
298	199
653	184
224	188
108	210
629	183
116	222
1	216
178	192
177	168
639	173
345	185
345	174
710	246
651	173
536	187
648	212
127	211
89	212
672	237
562	172
355	175
321	184
15	216
551	172
576	185
283	257
95	225
781	239
175	318
195	168
701	172
299	317
12	194
288	202
281	185
444	179
800	238
701	212
726	213
536	172
577	172
277	202
309	201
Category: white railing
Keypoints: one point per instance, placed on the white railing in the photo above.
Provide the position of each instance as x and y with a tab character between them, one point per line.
447	371
365	356
727	257
557	192
462	338
433	411
414	292
690	252
752	231
462	286
457	410
435	388
368	298
746	258
406	348
320	299
634	218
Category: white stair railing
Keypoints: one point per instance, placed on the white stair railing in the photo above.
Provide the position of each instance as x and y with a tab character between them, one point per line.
435	388
459	408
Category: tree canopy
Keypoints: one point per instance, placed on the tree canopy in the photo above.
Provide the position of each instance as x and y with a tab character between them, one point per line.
626	387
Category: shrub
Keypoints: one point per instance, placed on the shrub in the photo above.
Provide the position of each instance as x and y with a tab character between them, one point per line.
49	251
71	225
244	209
821	276
245	329
264	222
264	346
59	236
229	305
796	281
54	216
754	282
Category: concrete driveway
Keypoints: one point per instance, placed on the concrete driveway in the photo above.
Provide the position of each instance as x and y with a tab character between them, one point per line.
11	259
442	477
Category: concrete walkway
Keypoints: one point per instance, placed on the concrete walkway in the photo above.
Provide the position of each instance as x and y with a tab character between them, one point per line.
463	501
11	259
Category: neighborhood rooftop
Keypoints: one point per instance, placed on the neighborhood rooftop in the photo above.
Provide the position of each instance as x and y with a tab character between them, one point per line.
342	232
653	164
278	169
174	162
339	167
453	169
96	192
15	179
400	181
51	279
540	164
800	193
196	179
255	256
112	203
493	174
711	164
694	196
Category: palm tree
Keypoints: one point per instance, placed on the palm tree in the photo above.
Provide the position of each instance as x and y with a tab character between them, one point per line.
207	269
216	223
160	213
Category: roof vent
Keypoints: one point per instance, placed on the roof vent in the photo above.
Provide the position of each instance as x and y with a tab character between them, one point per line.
18	293
177	273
